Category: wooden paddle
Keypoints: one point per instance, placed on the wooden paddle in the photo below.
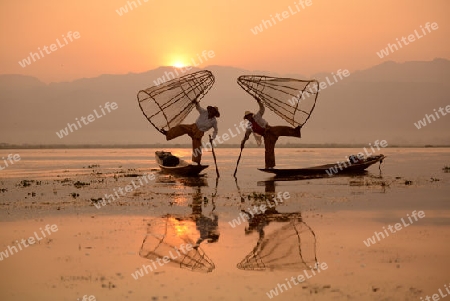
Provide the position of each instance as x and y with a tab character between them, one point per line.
214	155
237	163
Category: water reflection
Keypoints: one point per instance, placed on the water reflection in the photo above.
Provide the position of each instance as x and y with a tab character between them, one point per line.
285	241
171	238
181	182
178	237
290	244
355	174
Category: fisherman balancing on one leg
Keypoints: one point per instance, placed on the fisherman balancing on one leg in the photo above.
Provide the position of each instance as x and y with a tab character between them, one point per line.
205	122
261	128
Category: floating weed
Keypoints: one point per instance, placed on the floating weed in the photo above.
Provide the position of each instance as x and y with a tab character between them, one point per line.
79	184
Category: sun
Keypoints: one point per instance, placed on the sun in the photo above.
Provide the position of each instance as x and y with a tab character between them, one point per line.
178	64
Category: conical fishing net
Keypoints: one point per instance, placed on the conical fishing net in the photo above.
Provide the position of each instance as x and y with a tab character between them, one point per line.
292	247
168	104
169	236
291	99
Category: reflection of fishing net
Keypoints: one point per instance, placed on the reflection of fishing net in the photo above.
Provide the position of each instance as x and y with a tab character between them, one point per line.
168	104
169	237
291	247
291	99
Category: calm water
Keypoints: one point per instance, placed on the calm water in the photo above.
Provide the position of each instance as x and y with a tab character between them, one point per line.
47	163
416	165
199	212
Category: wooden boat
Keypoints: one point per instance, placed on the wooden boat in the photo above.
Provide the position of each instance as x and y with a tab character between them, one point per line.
174	165
327	169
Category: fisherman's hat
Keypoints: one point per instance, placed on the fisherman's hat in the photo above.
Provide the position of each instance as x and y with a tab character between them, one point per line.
247	113
215	110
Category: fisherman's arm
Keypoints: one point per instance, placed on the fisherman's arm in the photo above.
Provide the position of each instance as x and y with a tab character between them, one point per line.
261	108
215	130
198	107
246	136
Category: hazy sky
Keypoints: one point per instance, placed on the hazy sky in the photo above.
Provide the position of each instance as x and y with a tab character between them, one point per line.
322	37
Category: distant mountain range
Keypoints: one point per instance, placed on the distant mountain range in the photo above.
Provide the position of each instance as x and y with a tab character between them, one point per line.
383	102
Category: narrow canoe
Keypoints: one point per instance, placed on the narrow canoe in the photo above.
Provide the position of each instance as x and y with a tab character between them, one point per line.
178	167
330	169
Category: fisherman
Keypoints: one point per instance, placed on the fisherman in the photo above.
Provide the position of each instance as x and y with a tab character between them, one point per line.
261	128
205	121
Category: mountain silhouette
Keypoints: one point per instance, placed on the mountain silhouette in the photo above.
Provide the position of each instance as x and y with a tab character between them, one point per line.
382	102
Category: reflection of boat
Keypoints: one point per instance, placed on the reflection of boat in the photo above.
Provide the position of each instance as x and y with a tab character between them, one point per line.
330	169
176	166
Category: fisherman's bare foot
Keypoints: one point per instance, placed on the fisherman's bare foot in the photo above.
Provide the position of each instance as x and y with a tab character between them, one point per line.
297	130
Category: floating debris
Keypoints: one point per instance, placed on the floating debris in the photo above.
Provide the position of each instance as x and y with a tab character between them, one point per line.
79	184
132	175
92	166
26	183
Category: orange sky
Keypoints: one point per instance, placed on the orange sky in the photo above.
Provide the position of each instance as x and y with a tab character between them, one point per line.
323	37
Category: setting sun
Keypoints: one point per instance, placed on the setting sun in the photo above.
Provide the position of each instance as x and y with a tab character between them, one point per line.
178	64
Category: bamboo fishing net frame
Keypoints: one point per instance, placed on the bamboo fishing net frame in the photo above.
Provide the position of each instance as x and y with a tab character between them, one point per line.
168	104
292	99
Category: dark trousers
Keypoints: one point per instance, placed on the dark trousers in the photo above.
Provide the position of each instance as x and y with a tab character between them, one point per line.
270	138
193	132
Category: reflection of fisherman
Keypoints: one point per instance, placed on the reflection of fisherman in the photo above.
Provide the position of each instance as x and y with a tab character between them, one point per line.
207	226
204	122
261	128
257	222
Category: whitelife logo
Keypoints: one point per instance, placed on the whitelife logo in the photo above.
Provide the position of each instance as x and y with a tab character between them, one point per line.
124	9
423	122
145	268
168	75
53	47
111	198
335	169
371	240
411	38
11	250
91	118
245	215
10	158
281	287
314	89
437	297
265	24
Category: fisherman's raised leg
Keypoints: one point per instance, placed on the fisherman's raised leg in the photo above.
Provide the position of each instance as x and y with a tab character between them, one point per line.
179	130
284	131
